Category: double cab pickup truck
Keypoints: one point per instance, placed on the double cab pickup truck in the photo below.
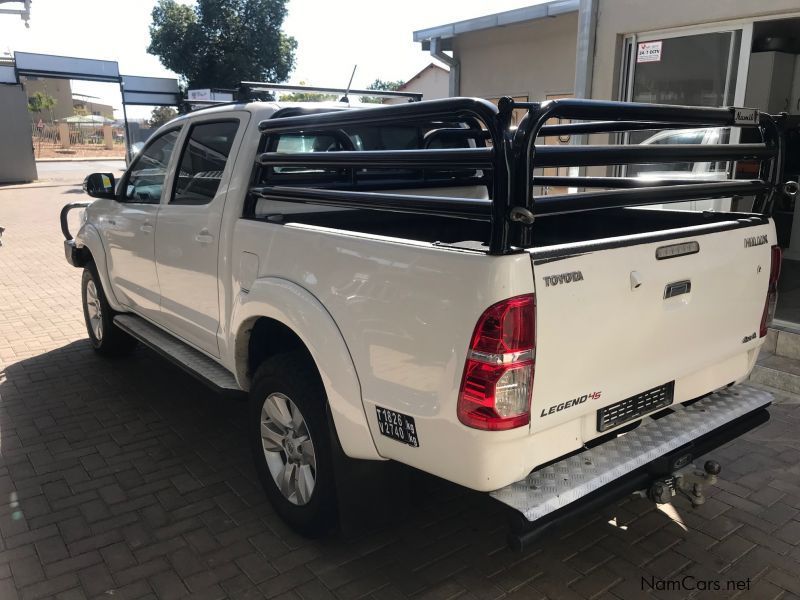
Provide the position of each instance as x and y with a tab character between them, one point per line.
429	284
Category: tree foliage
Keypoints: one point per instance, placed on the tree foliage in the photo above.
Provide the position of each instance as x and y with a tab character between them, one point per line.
218	43
160	115
40	102
380	84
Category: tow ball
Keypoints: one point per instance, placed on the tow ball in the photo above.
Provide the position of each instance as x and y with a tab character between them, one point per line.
688	481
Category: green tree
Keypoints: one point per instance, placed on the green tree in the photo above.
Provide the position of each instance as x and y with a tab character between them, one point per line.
218	43
160	115
380	84
40	102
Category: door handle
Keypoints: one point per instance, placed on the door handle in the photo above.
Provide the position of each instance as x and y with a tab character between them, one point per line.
677	288
204	237
146	227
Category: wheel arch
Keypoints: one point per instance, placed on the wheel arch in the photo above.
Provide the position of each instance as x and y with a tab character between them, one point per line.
91	247
293	319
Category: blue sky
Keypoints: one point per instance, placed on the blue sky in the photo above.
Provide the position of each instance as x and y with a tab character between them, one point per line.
332	36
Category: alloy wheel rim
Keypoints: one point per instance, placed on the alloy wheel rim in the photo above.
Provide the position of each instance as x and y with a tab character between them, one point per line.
94	310
288	448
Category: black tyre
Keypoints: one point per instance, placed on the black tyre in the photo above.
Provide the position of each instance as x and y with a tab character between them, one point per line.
106	338
291	442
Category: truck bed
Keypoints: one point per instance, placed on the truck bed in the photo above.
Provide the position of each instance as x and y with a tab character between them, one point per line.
553	231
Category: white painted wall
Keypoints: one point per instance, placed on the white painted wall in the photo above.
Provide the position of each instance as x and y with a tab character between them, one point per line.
533	59
432	82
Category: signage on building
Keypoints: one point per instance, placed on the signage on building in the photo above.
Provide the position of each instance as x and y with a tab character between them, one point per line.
209	95
648	52
199	94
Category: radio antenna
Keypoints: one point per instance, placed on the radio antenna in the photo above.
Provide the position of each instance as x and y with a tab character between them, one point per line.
349	83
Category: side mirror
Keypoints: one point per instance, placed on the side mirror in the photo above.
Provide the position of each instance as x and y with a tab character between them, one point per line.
100	185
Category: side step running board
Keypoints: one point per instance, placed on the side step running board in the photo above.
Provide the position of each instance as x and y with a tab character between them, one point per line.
181	354
654	449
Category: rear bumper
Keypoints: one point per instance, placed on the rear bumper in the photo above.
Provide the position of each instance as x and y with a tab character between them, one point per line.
627	463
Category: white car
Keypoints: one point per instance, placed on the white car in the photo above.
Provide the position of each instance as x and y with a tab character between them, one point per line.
376	282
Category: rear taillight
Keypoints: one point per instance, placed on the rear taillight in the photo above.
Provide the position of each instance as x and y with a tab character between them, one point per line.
772	291
498	375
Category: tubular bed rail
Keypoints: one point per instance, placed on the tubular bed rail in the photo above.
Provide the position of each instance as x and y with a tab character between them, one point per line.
505	157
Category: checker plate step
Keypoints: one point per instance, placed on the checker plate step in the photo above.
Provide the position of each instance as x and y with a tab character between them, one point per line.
559	484
190	360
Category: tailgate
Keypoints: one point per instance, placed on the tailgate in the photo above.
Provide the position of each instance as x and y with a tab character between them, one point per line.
614	321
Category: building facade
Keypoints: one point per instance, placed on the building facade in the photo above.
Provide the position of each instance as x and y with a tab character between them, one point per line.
432	82
684	52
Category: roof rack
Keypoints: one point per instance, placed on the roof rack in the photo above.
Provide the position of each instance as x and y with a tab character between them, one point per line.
246	88
509	159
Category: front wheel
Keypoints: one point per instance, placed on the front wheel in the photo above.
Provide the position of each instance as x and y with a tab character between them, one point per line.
291	442
106	338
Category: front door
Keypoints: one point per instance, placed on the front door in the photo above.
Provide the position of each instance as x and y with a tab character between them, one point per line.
188	231
129	228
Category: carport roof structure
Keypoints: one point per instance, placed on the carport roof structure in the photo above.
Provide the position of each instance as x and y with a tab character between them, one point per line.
24	11
446	33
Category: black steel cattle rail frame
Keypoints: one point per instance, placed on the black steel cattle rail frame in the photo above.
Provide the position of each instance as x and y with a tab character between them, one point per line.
513	155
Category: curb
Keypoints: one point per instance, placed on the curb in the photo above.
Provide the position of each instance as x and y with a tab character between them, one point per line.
37	184
81	159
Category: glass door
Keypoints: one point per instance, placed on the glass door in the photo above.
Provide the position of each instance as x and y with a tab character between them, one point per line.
698	68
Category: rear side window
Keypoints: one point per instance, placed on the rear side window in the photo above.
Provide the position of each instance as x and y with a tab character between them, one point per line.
403	137
203	161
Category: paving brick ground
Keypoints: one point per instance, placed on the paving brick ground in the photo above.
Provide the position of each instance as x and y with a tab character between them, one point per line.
127	479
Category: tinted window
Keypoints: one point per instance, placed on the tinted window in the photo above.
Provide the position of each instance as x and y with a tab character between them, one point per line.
203	161
146	179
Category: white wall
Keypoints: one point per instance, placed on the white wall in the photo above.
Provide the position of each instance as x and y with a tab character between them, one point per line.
532	59
432	83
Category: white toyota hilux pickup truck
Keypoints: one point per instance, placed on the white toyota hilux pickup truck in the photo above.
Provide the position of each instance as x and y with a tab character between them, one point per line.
389	283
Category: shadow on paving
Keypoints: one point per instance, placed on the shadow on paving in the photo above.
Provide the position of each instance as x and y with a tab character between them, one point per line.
128	475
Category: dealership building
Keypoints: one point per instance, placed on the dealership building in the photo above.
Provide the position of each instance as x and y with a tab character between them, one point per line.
709	53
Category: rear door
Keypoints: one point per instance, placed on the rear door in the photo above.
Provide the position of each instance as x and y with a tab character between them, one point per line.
616	321
188	230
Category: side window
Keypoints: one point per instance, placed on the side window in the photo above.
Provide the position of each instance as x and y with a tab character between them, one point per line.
203	161
146	179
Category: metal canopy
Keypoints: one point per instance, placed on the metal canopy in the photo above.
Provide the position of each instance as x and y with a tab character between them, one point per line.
66	67
137	90
161	91
510	17
143	91
24	11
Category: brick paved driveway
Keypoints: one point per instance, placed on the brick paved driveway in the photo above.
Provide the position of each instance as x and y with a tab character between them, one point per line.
127	479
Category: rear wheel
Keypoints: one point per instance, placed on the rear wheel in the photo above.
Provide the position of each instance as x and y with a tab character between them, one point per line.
106	338
291	443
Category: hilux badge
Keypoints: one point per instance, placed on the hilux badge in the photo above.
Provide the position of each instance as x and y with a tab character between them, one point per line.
756	240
